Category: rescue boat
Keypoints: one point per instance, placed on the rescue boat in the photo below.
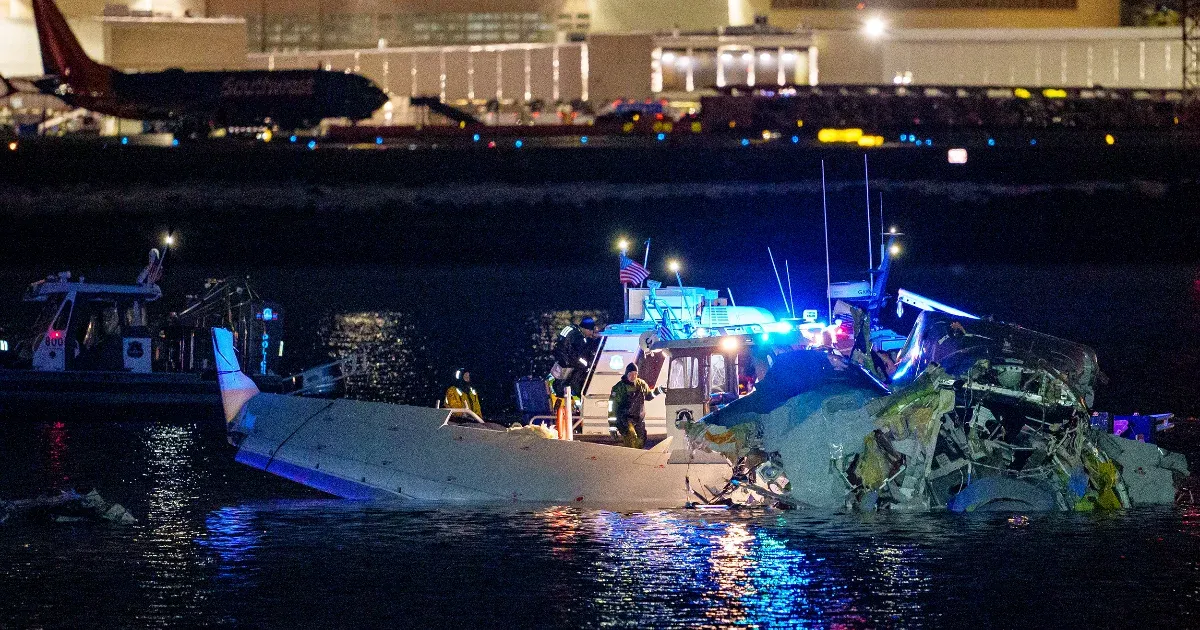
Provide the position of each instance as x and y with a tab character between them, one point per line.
687	339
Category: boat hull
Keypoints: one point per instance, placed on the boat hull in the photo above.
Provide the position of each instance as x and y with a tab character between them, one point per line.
24	392
364	450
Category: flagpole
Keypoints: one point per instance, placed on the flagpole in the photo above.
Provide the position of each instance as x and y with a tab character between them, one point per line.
624	285
646	260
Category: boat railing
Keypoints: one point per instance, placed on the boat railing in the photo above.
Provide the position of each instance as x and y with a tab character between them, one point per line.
464	413
670	324
321	379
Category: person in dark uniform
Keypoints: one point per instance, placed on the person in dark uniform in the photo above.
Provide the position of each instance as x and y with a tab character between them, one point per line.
627	407
574	349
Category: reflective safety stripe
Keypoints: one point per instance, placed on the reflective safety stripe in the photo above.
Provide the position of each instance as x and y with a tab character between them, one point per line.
566	331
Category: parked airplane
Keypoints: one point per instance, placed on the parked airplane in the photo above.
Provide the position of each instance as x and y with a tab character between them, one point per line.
288	99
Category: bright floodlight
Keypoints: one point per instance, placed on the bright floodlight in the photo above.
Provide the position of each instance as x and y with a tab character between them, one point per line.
673	266
729	343
894	250
169	240
623	244
874	27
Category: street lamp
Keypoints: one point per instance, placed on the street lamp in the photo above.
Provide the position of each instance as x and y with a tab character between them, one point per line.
624	245
874	27
674	267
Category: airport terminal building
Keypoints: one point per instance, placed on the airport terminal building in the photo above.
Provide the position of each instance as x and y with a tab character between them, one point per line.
514	52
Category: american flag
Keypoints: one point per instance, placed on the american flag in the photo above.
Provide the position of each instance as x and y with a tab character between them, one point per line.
153	271
631	272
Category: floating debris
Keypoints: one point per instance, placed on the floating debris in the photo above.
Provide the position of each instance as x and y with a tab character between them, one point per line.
66	507
983	416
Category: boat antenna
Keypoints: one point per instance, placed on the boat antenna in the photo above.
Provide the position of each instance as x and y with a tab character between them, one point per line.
791	296
882	233
870	239
780	283
732	302
825	211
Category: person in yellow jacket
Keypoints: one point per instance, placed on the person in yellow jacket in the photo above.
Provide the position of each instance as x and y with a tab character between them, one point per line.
461	395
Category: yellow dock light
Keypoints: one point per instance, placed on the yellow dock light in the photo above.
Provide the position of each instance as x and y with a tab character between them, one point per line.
1021	93
1054	93
729	343
12	146
840	135
267	135
1109	139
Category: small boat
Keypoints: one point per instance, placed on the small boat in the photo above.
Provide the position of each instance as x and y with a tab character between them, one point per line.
95	348
686	338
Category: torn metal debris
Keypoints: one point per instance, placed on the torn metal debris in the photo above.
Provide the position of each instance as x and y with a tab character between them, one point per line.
66	507
981	416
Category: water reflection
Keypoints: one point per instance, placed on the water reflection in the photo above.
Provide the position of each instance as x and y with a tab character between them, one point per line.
56	454
171	576
230	533
397	354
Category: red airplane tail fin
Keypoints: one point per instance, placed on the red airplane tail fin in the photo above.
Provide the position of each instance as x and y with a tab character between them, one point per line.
61	53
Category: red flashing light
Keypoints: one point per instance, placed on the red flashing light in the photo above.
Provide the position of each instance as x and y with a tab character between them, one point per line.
492	144
658	116
56	334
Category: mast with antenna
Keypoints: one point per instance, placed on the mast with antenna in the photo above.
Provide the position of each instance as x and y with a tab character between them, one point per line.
870	238
786	306
825	211
791	297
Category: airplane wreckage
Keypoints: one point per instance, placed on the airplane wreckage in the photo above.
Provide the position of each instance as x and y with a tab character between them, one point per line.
975	415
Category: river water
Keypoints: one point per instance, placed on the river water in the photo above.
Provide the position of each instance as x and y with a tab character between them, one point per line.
220	544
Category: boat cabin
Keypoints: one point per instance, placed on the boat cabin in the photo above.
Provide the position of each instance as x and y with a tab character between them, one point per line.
704	350
90	326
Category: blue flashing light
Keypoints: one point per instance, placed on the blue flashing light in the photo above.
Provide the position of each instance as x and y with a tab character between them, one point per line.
991	142
475	138
124	140
745	142
903	137
928	142
518	144
378	140
174	142
312	144
583	140
1033	141
766	336
662	136
795	139
292	139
